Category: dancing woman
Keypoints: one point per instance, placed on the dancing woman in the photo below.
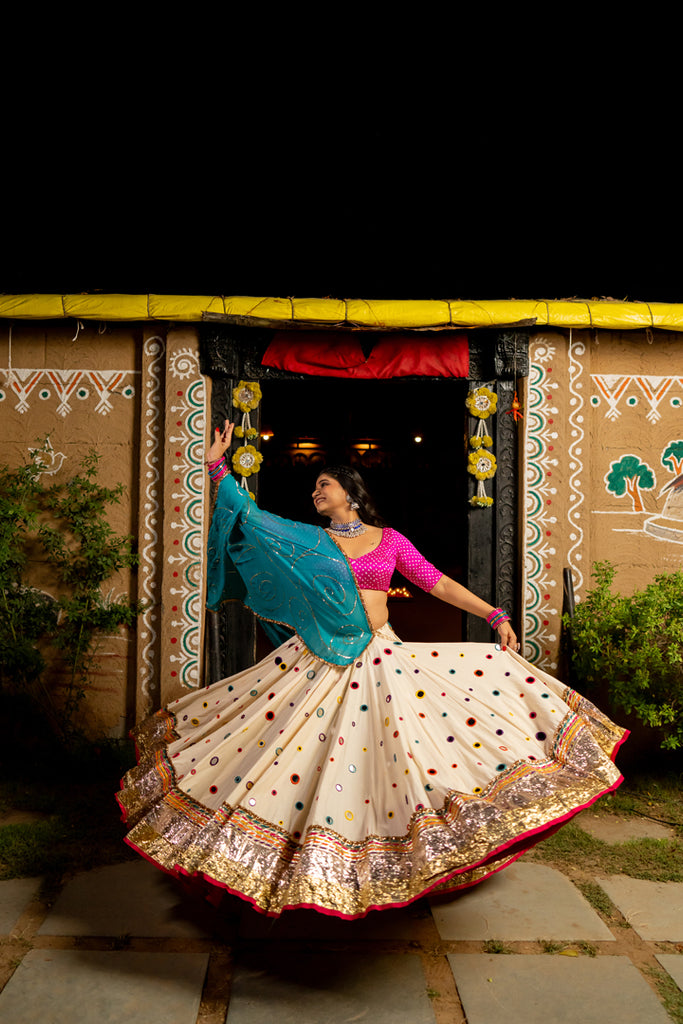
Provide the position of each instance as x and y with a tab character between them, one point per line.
348	771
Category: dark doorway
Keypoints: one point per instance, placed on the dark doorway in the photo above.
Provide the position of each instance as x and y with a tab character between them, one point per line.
423	490
420	486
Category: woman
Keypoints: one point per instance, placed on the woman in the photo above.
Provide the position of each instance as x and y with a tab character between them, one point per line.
358	541
348	771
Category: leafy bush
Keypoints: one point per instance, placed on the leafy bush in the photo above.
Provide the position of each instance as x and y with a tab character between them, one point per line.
66	526
27	613
635	645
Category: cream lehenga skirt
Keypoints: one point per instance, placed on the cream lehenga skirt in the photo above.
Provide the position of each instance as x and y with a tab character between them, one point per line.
419	768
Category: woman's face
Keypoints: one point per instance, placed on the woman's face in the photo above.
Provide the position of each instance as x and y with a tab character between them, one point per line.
329	497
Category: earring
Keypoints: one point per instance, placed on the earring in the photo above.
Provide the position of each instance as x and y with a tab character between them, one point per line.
353	505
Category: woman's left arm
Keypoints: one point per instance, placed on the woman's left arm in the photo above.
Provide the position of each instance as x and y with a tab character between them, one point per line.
454	593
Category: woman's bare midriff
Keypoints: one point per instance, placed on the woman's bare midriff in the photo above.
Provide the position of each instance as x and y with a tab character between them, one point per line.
375	604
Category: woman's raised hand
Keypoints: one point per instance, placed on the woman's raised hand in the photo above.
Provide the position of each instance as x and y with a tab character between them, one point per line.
221	442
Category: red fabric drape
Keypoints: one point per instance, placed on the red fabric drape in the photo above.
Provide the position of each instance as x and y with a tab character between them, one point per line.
339	354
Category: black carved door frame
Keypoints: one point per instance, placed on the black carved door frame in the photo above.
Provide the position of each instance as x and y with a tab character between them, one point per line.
497	359
494	541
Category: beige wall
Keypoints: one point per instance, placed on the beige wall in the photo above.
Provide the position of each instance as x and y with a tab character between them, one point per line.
135	395
594	398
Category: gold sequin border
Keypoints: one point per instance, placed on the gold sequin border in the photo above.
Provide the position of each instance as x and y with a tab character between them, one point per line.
443	849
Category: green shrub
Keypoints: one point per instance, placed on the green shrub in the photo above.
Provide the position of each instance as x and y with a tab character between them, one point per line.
634	645
26	614
65	526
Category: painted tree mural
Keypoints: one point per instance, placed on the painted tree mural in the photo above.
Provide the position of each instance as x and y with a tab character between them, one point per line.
672	457
629	475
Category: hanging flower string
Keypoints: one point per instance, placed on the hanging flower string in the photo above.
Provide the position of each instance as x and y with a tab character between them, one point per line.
246	460
481	463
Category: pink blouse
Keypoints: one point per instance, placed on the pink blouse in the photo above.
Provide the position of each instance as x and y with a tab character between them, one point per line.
394	551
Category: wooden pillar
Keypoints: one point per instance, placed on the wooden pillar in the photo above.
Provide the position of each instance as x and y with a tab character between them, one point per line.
497	361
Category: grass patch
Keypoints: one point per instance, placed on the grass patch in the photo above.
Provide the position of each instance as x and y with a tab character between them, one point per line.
669	993
657	860
567	948
598	898
496	946
81	827
33	849
569	844
549	946
659	798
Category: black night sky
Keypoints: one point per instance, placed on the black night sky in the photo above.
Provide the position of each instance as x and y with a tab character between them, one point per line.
371	261
315	219
513	162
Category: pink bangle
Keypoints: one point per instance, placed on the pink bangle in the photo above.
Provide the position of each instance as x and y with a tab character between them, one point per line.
218	469
497	617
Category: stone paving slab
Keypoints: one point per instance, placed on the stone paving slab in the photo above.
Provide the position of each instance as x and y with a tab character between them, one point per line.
536	989
612	828
525	902
15	895
653	909
673	965
52	986
133	898
329	988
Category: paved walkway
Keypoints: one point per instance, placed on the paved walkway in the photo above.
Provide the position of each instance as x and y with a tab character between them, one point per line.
126	944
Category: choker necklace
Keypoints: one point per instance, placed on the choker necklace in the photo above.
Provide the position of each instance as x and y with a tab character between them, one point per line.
353	529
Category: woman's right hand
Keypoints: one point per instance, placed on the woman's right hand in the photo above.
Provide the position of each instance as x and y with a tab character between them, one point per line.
507	636
221	442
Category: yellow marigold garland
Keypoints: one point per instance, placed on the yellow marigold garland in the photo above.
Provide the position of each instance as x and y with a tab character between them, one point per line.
481	403
482	465
246	396
246	460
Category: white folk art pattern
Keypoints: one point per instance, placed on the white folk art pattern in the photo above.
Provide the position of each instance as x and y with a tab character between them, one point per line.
151	455
67	386
187	409
541	615
620	392
577	351
46	460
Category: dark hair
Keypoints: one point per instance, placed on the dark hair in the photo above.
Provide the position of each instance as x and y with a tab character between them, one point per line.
354	485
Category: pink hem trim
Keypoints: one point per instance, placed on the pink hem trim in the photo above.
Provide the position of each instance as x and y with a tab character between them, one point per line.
619	744
124	812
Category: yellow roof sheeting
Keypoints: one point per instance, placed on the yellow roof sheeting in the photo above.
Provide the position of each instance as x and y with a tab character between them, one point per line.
363	314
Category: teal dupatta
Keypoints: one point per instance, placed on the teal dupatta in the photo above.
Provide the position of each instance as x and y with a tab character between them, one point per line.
293	576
